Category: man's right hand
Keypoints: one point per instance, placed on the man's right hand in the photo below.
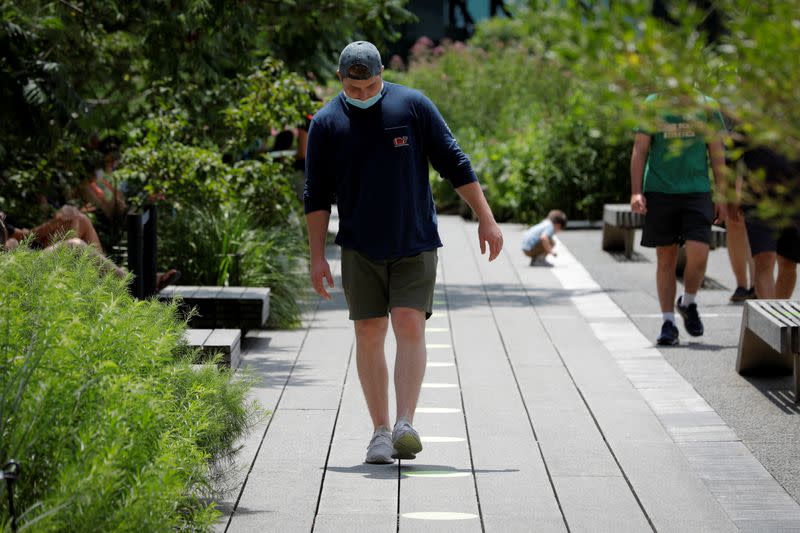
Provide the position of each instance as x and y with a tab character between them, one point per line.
638	204
321	271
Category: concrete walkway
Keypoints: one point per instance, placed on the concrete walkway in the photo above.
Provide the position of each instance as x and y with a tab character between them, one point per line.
544	408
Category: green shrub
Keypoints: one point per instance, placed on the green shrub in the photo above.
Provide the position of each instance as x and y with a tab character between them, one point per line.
534	140
113	428
212	207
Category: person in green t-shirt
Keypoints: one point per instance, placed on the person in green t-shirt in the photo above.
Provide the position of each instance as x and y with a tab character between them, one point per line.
677	206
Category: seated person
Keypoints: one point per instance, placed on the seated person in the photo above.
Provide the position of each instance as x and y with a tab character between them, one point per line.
11	236
66	219
100	191
70	220
538	240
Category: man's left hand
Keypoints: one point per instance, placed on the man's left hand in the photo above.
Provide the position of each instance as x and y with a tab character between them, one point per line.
720	213
489	232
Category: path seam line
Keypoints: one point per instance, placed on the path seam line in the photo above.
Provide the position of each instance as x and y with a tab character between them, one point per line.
580	392
461	396
519	390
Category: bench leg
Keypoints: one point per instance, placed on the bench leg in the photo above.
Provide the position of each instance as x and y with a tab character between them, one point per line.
629	234
797	378
616	239
756	354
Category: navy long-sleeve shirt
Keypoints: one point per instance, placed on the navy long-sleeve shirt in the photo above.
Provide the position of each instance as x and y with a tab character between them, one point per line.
374	164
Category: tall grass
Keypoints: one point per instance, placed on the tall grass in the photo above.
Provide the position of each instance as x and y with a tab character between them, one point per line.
203	241
113	428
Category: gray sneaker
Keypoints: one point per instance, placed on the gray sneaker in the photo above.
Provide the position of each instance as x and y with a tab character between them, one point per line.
405	440
379	451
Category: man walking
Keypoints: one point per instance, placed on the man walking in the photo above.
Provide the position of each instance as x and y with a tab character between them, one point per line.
678	209
369	149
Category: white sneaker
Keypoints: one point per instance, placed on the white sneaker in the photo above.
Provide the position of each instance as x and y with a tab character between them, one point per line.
379	451
405	440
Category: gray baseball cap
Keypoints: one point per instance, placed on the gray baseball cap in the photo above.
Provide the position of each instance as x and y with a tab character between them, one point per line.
360	53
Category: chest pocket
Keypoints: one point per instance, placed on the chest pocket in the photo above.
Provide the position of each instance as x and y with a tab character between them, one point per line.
398	140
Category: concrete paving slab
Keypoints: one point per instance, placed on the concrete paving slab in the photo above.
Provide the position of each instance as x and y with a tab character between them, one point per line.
673	495
599	504
337	523
283	486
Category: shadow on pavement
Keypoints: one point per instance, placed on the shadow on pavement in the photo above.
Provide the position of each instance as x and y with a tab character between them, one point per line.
467	296
444	469
703	347
368	471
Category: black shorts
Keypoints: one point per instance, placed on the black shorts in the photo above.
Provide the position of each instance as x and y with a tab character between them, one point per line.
768	237
677	218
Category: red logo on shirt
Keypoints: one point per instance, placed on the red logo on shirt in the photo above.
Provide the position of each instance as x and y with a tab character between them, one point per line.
400	141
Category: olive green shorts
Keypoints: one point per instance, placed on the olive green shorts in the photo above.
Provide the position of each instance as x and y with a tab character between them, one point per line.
373	288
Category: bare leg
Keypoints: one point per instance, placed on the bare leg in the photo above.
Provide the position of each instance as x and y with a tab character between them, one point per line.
372	370
696	261
667	257
105	264
787	278
765	275
738	251
409	366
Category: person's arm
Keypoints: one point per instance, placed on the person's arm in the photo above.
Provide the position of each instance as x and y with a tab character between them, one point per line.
488	230
317	223
453	165
317	198
716	152
641	147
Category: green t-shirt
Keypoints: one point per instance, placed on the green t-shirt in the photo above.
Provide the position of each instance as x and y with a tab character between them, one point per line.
678	158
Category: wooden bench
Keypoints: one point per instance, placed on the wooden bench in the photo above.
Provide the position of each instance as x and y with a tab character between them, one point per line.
619	225
222	307
211	342
770	337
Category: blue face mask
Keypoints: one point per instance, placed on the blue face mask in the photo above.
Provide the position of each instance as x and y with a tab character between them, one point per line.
364	104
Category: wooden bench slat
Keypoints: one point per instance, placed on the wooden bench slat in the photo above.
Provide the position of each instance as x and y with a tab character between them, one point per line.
196	337
775	309
764	323
217	341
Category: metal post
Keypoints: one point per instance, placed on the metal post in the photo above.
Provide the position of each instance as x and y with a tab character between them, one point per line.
149	260
136	254
10	473
142	252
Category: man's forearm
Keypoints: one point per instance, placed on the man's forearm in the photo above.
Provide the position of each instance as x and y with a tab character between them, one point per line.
317	222
716	152
472	194
637	171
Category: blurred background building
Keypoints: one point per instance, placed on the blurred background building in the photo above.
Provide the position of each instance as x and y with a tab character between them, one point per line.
452	19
